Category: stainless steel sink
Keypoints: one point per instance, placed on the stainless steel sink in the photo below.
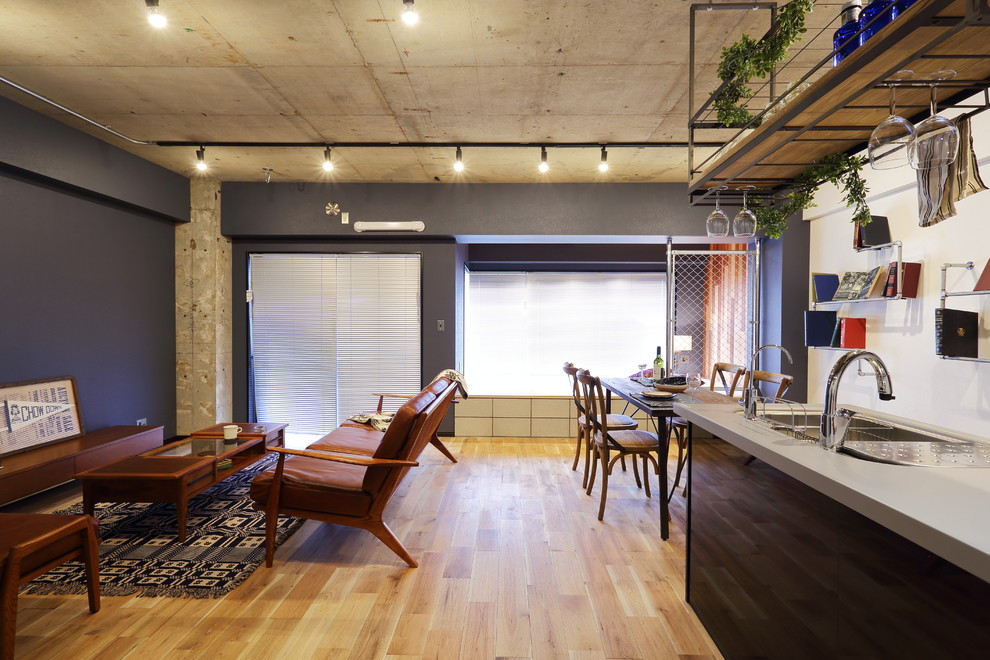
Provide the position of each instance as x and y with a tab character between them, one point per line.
885	440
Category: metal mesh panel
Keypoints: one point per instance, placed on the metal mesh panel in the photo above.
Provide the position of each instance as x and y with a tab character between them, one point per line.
713	310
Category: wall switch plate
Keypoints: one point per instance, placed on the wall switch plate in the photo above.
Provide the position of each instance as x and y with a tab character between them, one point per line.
440	325
345	218
142	422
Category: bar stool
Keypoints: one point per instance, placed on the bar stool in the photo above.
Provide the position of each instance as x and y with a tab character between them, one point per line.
33	544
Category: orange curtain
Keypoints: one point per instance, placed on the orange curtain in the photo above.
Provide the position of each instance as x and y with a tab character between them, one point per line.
725	304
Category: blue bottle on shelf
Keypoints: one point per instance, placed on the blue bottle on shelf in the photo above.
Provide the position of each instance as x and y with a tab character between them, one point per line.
844	42
884	11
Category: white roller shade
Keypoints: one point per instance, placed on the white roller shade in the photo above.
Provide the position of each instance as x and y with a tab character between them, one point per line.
521	327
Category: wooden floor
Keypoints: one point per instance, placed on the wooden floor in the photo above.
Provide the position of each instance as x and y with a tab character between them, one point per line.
513	564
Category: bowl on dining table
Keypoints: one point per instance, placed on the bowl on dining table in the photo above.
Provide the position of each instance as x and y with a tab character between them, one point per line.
669	388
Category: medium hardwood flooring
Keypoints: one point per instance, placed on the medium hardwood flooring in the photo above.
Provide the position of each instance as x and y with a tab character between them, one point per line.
513	564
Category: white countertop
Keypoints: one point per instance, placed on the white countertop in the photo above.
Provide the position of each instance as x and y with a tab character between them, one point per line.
945	510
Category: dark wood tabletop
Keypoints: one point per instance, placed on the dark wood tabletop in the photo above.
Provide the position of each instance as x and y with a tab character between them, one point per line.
631	391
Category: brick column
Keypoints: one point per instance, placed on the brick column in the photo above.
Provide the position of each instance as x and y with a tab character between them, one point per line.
202	313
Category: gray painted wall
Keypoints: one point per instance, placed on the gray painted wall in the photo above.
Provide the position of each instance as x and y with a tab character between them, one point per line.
89	291
599	212
44	148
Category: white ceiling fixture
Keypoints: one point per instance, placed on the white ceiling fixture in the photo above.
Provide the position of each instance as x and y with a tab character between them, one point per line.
409	15
544	166
458	161
603	165
201	159
327	161
156	18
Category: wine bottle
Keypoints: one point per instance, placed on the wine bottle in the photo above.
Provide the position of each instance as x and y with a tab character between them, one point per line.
658	371
844	42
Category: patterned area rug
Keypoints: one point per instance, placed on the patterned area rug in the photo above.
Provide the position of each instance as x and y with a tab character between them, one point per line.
140	552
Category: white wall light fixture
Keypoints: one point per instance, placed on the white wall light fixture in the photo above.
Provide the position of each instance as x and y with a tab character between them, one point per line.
391	225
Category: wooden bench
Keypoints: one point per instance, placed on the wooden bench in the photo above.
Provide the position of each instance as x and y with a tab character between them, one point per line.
34	543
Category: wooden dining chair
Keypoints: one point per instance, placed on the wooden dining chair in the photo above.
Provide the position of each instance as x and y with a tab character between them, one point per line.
782	381
610	445
727	376
613	421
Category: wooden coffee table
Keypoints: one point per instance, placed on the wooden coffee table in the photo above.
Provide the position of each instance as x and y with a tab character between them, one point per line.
179	470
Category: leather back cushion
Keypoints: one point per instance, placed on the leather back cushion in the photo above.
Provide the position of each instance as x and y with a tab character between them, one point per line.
402	424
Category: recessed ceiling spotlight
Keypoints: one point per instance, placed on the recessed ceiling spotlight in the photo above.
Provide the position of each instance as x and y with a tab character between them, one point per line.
543	160
458	162
327	162
201	159
603	165
157	20
409	15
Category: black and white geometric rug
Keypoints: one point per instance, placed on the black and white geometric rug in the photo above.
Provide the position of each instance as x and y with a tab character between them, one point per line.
140	552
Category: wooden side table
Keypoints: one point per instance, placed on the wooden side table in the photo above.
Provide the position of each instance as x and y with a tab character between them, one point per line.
34	543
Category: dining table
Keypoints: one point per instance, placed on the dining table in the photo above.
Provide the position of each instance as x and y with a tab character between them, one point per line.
631	390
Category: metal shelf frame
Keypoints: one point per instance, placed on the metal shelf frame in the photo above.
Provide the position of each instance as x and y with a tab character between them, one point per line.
943	294
821	119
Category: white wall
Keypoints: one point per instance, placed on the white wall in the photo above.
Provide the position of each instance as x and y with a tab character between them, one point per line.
954	394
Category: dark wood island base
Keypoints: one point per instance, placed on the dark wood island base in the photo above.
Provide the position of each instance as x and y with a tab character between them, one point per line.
778	570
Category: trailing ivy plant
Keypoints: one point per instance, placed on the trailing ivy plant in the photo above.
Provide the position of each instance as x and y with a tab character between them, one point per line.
747	59
842	170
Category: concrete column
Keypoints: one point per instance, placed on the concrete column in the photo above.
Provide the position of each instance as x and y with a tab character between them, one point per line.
202	313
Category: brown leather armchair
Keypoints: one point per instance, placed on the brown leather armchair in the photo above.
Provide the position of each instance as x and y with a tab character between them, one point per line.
348	488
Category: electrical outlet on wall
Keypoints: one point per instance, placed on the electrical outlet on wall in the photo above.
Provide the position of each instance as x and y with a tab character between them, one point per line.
142	422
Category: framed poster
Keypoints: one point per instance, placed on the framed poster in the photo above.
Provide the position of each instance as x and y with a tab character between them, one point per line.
37	412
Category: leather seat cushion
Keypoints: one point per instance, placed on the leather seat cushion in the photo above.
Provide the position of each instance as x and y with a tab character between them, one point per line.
632	440
311	484
615	421
350	439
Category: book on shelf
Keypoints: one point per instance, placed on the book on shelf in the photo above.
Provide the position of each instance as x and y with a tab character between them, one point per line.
850	286
876	232
880	283
819	326
911	275
836	341
983	284
852	333
869	282
823	286
956	332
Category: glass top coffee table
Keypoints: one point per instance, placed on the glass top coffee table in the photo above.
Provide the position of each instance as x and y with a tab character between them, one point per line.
179	470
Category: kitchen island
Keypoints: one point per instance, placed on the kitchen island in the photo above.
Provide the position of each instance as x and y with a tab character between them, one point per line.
807	553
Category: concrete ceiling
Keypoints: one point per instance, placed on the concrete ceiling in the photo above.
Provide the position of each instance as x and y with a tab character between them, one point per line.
309	71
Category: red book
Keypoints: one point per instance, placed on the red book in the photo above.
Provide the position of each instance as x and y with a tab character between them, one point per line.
911	274
983	284
852	333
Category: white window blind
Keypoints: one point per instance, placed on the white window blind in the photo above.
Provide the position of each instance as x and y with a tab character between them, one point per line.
328	330
521	327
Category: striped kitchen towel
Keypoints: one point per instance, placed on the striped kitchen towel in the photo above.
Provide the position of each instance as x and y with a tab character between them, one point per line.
940	187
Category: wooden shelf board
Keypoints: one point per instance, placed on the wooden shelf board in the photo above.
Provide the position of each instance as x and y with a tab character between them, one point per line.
847	96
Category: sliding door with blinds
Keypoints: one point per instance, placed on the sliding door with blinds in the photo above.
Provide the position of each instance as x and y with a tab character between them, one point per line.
329	330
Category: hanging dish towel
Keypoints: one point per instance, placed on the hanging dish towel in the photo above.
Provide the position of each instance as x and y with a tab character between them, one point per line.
939	188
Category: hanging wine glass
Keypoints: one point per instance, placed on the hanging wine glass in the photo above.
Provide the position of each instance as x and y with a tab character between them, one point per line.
744	224
891	140
936	139
718	222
